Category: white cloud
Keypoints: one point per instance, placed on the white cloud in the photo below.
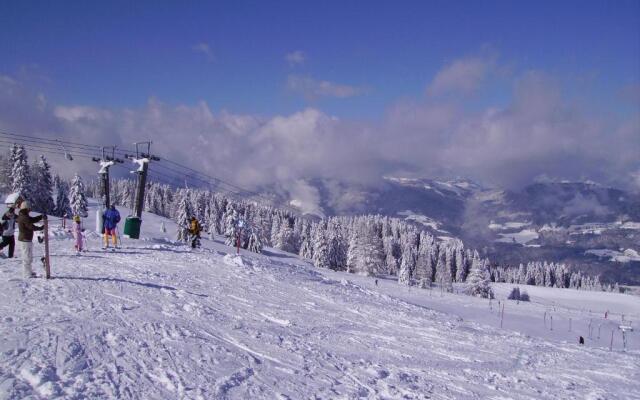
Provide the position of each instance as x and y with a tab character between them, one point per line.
539	132
313	89
295	58
461	76
203	48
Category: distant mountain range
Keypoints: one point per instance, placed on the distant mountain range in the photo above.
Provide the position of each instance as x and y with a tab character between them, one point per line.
589	226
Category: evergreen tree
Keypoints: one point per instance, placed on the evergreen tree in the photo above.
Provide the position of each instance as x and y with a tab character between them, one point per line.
5	173
321	249
42	187
77	198
408	260
306	245
62	207
183	219
255	242
285	238
20	174
231	226
478	280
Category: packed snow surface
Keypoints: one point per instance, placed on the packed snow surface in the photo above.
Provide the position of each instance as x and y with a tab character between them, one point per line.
156	320
615	255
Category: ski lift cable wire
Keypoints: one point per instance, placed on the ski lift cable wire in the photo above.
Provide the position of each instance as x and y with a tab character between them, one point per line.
38	146
40	149
81	149
55	142
85	147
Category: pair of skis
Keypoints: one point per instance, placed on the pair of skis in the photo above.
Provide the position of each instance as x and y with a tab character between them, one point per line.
45	259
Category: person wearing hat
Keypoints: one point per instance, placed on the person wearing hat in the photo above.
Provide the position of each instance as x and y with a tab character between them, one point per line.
26	228
77	232
9	227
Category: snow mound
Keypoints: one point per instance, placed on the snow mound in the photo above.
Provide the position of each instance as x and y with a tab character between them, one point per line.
236	260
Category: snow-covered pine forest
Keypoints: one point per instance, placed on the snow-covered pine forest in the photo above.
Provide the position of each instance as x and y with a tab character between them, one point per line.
365	245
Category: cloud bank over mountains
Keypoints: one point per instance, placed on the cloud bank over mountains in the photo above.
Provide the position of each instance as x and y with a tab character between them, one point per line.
538	131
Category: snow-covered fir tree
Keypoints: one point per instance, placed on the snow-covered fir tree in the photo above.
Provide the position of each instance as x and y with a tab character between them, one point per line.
20	173
77	197
62	206
183	219
231	229
255	241
406	266
478	280
5	173
42	187
285	238
321	249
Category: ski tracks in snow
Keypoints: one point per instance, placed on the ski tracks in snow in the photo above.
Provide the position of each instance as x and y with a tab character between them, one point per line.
159	321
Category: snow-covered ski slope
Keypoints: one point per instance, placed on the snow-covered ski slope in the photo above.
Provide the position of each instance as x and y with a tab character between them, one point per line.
156	320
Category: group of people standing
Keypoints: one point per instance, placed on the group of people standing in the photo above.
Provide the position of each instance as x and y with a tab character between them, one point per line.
18	214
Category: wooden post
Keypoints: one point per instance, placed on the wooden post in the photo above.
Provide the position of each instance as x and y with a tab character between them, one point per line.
551	321
502	315
47	266
611	343
599	326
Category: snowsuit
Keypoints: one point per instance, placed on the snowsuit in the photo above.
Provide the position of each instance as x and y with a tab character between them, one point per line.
111	217
194	230
25	238
8	229
77	233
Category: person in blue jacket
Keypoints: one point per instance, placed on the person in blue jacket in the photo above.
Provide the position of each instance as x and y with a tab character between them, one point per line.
110	218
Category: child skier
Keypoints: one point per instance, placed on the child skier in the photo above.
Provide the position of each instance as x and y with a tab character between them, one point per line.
77	233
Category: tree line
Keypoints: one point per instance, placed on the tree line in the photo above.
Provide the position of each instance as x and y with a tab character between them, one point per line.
368	245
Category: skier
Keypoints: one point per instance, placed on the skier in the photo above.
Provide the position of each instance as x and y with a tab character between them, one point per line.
8	228
194	230
581	340
77	232
111	217
25	237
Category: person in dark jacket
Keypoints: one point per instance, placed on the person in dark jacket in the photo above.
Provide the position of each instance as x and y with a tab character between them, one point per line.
8	229
194	231
111	217
26	228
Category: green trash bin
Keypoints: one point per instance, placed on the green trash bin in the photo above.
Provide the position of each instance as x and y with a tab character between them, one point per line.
132	227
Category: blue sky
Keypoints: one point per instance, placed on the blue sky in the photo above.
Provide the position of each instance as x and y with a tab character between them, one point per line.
278	92
121	53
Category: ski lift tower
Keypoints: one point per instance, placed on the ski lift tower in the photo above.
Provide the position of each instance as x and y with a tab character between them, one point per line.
141	159
105	163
